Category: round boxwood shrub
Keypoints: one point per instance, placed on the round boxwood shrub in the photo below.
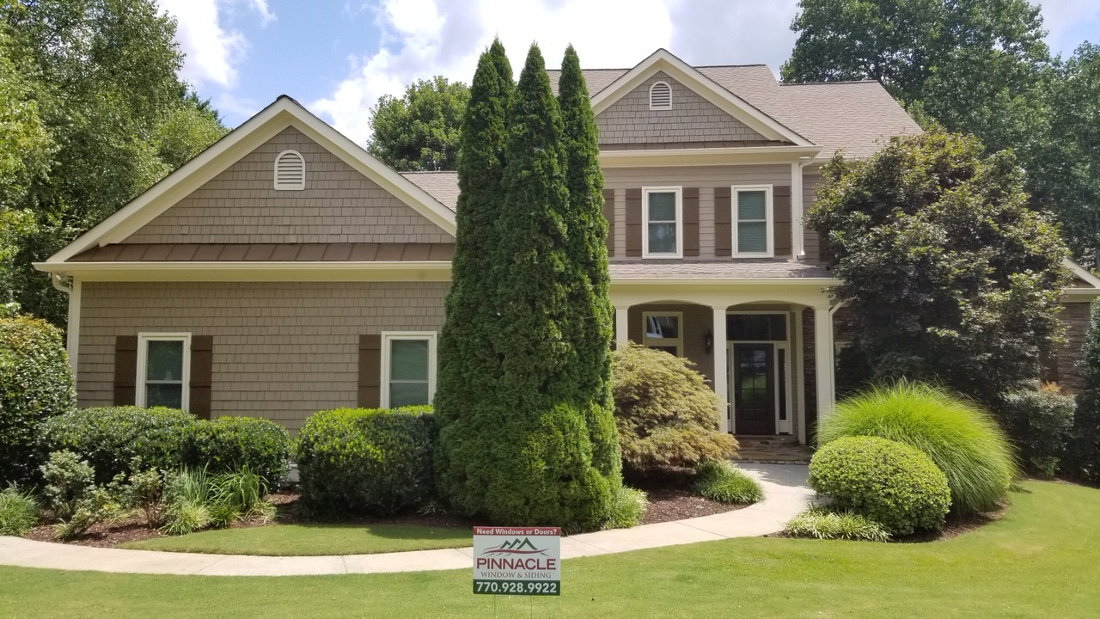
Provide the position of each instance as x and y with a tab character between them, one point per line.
36	383
889	482
227	444
665	412
109	438
962	439
366	461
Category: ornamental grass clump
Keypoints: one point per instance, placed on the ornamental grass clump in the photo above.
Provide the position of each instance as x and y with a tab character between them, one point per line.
722	481
18	511
628	506
963	440
824	523
889	482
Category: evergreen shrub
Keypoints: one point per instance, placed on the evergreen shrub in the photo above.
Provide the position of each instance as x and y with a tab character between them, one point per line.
36	383
722	481
665	412
1040	424
228	444
110	438
962	439
366	461
889	482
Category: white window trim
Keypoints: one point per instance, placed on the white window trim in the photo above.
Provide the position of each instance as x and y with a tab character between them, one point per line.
143	358
660	107
390	336
275	172
769	214
664	342
679	191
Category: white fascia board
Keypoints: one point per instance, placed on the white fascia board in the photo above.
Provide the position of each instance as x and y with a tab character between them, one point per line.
405	271
284	112
1083	274
663	60
705	156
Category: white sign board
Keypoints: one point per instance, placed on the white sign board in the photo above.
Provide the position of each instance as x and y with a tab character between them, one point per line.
517	560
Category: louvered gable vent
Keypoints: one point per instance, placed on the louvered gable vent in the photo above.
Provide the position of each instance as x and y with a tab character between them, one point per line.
290	171
660	96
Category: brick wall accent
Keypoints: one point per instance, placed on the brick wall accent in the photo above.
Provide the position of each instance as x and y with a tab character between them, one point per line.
281	350
338	205
809	373
1066	372
693	121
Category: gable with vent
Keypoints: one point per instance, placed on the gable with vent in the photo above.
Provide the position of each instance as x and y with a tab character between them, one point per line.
290	171
663	111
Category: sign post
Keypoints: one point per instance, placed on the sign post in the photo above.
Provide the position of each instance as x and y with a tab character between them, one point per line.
517	560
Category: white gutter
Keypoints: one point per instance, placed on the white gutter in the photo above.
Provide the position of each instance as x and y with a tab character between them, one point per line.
72	334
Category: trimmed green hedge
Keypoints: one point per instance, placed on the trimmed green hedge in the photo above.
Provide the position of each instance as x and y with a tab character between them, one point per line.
226	444
1040	423
367	461
168	438
36	383
889	482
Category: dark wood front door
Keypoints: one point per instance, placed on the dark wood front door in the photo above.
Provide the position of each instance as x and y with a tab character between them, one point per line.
754	388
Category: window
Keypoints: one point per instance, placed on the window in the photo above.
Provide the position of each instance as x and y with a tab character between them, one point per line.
290	171
662	212
752	221
408	369
660	96
663	331
164	368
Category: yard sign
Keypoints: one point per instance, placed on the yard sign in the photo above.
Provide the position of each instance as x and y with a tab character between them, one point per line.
517	560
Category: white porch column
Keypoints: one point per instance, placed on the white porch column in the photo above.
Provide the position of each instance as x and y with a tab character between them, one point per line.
721	372
824	362
622	323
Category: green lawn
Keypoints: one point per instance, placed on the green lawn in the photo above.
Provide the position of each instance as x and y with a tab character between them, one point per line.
299	539
1041	560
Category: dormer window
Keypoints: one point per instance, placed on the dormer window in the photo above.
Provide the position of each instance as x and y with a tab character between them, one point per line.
660	96
290	171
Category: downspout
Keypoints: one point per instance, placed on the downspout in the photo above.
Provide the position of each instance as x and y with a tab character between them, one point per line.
798	205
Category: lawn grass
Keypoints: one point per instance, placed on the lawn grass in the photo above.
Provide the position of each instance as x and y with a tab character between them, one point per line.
312	540
1040	560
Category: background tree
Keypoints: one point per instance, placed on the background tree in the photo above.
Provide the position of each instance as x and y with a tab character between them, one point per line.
420	131
469	368
101	76
948	275
590	306
1085	447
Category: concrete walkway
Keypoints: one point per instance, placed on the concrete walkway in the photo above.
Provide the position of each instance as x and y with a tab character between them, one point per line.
785	492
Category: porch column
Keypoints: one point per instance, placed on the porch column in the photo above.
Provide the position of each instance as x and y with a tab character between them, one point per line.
824	362
721	382
622	323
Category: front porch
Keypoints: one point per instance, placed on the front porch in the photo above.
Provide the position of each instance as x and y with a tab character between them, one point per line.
757	344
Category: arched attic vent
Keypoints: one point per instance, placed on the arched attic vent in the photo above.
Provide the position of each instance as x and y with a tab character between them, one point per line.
660	96
290	171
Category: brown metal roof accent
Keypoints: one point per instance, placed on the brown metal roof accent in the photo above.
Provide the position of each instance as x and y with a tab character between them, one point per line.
270	252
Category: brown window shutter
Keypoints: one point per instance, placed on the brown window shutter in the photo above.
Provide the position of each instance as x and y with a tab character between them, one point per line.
781	211
723	222
633	223
609	215
202	370
691	221
125	369
370	370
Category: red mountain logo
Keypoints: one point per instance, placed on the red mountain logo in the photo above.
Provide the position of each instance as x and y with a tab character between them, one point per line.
516	547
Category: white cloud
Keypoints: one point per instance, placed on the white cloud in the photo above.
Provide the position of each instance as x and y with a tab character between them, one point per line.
213	50
422	38
1061	17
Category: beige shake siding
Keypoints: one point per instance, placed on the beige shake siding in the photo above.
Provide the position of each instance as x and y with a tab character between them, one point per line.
281	350
338	205
693	121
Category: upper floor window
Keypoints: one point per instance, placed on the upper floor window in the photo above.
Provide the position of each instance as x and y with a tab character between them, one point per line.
163	369
662	213
290	171
752	221
660	96
408	369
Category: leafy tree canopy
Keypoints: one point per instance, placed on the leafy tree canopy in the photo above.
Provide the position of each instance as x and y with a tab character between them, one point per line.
420	131
947	274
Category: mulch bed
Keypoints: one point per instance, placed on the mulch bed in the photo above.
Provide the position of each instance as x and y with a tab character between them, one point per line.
669	491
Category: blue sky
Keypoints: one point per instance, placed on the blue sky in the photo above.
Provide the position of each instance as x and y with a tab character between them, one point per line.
338	57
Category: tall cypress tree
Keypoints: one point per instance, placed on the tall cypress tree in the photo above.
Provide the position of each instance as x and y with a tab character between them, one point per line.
469	368
586	245
545	473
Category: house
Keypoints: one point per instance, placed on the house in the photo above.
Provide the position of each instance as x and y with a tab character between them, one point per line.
284	270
